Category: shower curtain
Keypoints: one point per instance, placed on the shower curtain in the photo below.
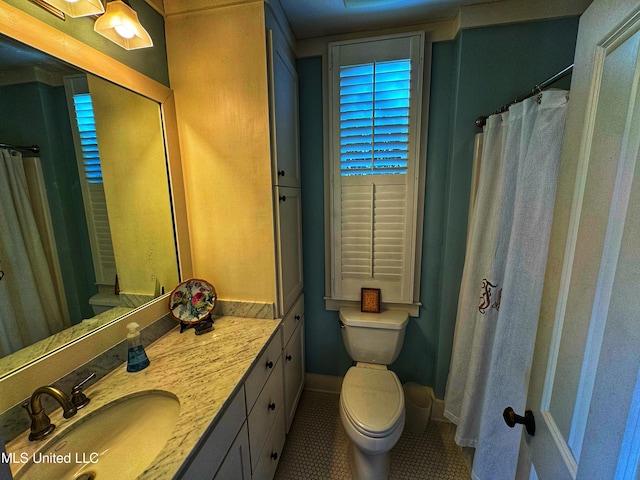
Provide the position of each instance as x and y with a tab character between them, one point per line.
502	280
29	308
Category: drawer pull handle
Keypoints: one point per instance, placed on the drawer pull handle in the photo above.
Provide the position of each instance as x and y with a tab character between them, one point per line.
283	198
297	317
269	364
281	173
274	456
288	357
272	406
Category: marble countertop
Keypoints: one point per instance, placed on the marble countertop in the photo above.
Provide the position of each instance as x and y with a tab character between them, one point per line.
201	371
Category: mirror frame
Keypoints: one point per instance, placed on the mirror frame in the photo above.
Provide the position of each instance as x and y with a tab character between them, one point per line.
19	25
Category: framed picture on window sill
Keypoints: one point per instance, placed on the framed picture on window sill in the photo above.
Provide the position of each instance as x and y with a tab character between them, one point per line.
370	300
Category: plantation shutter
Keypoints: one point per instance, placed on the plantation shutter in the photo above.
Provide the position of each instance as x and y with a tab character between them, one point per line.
375	119
90	170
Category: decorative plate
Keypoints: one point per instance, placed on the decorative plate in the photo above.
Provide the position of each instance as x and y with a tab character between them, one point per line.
192	300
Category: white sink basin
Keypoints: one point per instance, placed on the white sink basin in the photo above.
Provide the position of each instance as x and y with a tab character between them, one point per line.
117	441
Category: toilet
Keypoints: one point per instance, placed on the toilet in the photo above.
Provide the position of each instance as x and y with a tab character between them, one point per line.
101	302
372	399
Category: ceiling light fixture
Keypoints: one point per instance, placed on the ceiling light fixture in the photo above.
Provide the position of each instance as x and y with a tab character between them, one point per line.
78	8
120	24
366	3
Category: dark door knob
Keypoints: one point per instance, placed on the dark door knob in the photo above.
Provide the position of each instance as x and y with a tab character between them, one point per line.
510	418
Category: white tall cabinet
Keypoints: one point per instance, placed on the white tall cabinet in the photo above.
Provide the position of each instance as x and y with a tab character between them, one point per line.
285	154
232	69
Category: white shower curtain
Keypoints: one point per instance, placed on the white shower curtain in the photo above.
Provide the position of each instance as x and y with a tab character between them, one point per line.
29	307
502	280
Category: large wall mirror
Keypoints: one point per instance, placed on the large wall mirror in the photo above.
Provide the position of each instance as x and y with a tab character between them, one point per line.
101	192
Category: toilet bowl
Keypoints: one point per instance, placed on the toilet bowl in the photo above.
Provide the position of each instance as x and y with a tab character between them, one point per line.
372	399
372	414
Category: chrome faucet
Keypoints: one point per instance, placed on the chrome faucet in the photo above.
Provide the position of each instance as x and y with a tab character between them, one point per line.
41	425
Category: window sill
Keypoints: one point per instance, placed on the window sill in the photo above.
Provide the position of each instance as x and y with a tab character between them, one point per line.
412	309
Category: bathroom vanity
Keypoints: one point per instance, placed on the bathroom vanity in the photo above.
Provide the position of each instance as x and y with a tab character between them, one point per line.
235	386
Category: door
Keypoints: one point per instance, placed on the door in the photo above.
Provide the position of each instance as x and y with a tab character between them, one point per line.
289	245
584	389
283	107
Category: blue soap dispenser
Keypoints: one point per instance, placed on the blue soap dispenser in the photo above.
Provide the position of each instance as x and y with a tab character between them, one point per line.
137	358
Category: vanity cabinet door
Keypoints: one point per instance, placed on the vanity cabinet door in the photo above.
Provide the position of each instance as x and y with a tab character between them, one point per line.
237	463
293	367
209	455
289	245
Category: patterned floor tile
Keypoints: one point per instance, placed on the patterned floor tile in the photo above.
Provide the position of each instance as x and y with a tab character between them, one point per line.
316	447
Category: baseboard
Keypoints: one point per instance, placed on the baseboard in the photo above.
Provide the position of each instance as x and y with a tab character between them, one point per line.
322	383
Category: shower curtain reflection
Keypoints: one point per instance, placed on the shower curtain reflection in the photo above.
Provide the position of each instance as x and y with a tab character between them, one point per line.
27	285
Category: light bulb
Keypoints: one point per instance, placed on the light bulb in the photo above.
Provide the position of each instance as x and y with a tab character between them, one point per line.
124	31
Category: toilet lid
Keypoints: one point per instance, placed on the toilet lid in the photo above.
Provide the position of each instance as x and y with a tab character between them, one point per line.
372	399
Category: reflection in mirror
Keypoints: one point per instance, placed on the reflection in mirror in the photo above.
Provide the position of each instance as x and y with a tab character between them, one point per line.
86	230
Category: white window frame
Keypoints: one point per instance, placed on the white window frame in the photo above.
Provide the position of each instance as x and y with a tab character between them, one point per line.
363	51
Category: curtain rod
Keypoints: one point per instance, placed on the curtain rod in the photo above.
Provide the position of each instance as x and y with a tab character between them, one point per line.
31	148
482	120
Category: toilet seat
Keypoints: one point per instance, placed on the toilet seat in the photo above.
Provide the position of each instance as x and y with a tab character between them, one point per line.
372	400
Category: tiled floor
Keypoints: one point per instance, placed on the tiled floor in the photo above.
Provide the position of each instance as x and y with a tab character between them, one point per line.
316	447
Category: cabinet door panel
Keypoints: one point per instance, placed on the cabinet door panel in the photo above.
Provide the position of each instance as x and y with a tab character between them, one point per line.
237	464
293	366
283	88
289	239
207	458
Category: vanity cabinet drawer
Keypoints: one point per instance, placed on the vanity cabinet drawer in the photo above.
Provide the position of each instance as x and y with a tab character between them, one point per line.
209	455
292	319
262	369
264	413
272	451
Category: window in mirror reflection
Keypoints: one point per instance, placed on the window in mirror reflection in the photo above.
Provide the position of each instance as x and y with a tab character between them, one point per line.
91	183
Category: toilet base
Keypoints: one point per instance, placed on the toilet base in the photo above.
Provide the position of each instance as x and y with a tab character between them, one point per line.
368	467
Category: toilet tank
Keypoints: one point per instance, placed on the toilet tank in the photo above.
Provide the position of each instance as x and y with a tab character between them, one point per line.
373	337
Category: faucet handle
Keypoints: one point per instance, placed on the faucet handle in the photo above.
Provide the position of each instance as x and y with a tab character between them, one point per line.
78	398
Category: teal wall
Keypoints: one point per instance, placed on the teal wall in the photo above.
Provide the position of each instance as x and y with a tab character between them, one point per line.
150	61
476	73
35	113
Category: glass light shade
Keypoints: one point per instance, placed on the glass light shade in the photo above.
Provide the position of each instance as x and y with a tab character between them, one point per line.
78	8
120	24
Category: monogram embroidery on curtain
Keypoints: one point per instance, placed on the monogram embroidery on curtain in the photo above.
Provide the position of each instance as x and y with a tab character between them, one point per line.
487	296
